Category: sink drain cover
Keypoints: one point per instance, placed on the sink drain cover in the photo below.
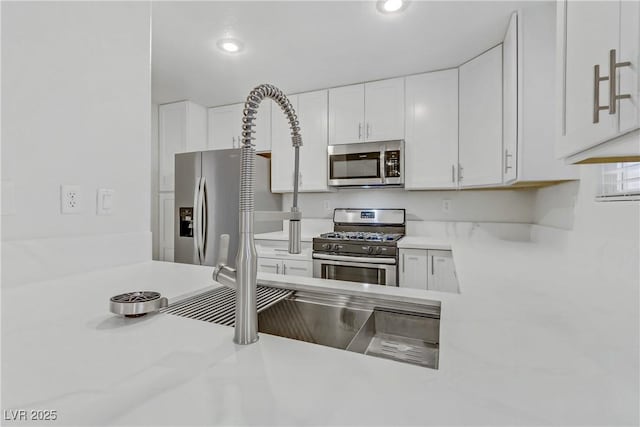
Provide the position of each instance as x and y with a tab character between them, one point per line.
135	304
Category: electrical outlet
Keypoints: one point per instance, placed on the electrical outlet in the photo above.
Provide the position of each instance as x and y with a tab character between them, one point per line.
446	205
70	199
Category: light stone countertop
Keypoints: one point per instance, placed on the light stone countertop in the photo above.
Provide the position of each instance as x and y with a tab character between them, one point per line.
517	348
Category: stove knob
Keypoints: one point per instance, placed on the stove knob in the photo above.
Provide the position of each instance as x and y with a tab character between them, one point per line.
326	246
337	247
368	249
379	250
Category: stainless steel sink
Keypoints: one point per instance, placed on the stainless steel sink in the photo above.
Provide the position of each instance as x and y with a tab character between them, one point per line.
375	326
405	332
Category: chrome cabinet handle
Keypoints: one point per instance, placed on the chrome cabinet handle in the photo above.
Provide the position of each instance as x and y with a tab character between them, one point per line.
432	271
453	173
613	67
368	129
284	269
460	169
233	141
403	263
277	268
359	130
596	93
507	156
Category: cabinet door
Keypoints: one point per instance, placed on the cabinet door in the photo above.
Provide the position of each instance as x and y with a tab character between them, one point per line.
313	115
442	273
431	130
269	265
166	219
297	268
510	100
629	77
282	151
481	120
413	271
196	127
384	110
587	31
346	114
263	125
172	136
225	127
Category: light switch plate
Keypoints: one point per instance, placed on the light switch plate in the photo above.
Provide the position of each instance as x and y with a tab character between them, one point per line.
70	199
104	201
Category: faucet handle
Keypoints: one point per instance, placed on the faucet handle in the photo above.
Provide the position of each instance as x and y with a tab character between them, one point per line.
223	250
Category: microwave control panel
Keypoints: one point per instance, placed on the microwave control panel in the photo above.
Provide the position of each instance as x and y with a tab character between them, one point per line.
392	163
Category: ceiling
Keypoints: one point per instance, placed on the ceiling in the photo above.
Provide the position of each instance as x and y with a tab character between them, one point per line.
306	45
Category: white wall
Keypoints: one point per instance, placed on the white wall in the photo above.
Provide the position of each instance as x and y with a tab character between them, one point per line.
601	236
155	241
75	110
480	206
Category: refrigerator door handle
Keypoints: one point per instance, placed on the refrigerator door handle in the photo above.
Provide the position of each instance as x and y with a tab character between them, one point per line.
204	208
196	221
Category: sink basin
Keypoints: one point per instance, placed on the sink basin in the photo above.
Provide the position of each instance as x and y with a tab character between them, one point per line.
406	337
330	325
404	332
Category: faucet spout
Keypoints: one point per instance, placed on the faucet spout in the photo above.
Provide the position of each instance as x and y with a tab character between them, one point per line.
244	277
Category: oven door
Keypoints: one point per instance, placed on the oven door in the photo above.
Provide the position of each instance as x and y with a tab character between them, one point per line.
361	168
336	267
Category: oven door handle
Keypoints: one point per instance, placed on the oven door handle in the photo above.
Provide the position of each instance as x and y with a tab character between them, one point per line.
354	259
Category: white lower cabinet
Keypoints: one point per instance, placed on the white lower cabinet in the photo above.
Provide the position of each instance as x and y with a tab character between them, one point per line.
442	272
165	222
274	258
431	270
288	267
413	268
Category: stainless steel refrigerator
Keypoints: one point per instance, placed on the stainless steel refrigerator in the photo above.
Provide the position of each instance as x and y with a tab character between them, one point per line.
207	194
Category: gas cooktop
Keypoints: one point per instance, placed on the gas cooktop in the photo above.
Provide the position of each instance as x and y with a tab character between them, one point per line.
361	236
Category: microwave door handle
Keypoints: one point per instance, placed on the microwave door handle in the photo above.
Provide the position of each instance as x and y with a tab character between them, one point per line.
383	160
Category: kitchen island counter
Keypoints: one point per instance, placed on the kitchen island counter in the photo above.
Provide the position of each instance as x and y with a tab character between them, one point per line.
517	348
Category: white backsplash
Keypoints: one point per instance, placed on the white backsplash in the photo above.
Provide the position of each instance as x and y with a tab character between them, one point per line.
473	206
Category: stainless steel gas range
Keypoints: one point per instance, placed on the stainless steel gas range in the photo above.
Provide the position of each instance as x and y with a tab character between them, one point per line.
362	248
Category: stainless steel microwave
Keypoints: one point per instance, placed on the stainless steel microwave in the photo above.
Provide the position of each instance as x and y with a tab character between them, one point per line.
365	164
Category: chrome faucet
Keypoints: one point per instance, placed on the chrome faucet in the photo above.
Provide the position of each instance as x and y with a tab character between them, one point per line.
244	277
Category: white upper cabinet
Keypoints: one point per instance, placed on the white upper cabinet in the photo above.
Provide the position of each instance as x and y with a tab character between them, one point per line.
281	151
431	150
225	127
367	112
311	109
510	100
346	114
263	125
313	115
592	38
384	110
480	139
182	126
528	87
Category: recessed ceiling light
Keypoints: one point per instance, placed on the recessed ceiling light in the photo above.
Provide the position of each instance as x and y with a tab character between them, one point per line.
390	6
230	45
